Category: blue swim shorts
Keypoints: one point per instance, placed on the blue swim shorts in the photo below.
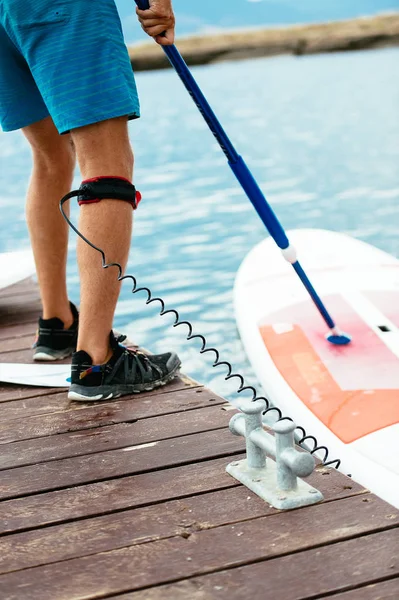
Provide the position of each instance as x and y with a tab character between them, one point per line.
66	59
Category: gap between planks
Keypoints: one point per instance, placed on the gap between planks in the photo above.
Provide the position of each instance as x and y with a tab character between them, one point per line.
63	473
99	415
172	518
228	585
215	550
124	435
87	500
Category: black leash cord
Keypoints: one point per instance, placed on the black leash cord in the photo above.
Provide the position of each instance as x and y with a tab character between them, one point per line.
303	438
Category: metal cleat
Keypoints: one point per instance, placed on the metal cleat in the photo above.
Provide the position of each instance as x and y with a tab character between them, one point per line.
276	481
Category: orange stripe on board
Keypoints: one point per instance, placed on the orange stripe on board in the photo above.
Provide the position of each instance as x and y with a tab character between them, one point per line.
350	415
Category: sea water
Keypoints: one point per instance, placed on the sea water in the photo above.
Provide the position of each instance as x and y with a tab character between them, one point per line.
321	135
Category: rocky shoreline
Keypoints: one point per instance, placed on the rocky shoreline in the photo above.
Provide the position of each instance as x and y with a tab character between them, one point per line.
339	36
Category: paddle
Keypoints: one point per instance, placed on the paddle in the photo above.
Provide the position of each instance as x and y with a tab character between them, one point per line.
248	183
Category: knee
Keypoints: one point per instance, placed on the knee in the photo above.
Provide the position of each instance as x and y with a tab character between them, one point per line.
51	151
58	158
104	149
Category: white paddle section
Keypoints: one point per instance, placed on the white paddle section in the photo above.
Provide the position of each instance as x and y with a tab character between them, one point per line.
38	375
345	396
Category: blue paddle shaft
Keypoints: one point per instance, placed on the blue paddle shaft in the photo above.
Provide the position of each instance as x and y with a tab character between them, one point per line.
240	169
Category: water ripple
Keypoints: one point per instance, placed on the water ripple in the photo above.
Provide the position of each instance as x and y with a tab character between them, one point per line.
321	137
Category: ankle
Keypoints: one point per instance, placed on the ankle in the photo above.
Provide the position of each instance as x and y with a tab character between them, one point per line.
68	321
98	356
65	316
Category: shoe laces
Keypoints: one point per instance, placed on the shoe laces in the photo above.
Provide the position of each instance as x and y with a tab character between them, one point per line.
134	356
133	349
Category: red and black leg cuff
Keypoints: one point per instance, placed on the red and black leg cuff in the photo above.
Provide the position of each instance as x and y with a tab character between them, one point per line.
108	188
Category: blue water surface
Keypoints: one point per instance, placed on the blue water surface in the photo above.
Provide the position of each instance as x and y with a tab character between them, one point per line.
321	134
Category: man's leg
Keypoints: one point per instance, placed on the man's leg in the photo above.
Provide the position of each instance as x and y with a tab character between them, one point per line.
53	167
102	368
103	149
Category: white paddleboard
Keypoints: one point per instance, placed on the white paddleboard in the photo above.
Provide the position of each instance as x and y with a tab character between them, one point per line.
15	267
346	396
38	375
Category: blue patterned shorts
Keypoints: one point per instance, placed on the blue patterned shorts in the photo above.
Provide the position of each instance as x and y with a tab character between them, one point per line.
66	59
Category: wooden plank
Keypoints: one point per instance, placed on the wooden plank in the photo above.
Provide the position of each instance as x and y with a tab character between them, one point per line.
22	353
114	495
19	315
23	342
49	400
28	401
19	306
385	590
139	490
187	517
17	332
20	329
18	310
17	343
27	286
229	585
8	393
140	406
136	567
127	528
112	437
23	356
117	463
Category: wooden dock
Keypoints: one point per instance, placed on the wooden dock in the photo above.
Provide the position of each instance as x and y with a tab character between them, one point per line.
130	500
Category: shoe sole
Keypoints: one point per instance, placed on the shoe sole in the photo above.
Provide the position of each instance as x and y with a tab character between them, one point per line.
81	393
44	354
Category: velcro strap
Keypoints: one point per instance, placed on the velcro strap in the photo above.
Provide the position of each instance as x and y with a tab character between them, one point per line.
108	188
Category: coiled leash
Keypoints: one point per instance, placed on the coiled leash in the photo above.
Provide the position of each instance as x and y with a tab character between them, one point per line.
116	188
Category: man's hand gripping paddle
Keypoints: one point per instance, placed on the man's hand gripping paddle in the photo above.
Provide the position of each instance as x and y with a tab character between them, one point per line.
248	183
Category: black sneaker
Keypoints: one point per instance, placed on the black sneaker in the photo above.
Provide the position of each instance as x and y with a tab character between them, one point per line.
129	371
53	342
